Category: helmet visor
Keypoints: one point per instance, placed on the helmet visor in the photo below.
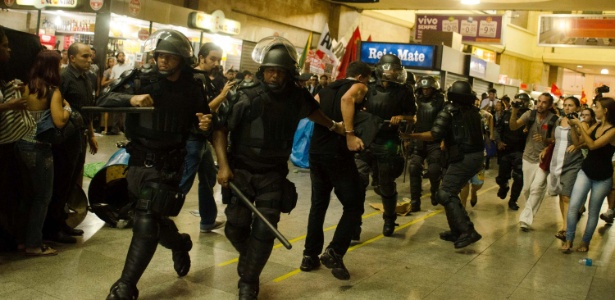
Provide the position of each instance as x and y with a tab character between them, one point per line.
264	45
393	73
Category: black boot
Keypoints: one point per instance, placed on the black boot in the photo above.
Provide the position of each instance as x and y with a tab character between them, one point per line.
248	291
123	291
449	236
462	223
512	204
503	191
389	216
181	256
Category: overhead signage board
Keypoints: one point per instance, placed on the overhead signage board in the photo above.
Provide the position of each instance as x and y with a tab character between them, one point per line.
49	3
216	22
478	67
473	28
411	55
576	31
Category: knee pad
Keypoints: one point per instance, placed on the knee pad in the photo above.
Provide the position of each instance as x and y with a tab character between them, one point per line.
435	171
443	197
260	231
236	234
388	190
415	169
145	226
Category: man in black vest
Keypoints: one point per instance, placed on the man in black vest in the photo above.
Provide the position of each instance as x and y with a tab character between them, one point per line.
511	144
332	167
389	99
459	125
262	123
157	150
430	102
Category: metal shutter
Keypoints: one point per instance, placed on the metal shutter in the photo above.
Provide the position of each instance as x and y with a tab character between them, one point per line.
246	61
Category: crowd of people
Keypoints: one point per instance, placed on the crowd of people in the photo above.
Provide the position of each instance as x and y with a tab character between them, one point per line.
364	128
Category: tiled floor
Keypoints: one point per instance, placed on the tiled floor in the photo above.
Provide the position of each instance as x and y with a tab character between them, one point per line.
413	264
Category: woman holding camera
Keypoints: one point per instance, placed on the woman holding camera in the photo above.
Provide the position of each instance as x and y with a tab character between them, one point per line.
596	173
566	160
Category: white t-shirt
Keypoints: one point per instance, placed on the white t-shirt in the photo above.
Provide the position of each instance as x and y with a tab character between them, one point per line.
119	69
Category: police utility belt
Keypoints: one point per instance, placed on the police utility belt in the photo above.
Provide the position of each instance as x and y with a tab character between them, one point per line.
141	156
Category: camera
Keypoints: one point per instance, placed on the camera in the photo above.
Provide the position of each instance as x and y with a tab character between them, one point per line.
516	103
572	116
602	89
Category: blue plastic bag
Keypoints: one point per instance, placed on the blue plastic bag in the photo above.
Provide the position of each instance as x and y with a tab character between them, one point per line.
300	155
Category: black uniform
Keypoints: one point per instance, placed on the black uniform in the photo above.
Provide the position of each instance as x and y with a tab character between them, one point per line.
157	150
382	155
510	158
262	124
461	129
428	109
332	167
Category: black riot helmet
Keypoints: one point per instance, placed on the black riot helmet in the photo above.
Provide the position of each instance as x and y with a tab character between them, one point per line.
525	98
172	42
428	82
461	93
275	51
389	68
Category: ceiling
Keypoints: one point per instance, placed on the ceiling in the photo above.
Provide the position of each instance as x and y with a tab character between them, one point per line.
534	5
578	6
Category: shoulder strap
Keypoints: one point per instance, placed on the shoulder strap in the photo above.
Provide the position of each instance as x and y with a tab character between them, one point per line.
551	124
532	118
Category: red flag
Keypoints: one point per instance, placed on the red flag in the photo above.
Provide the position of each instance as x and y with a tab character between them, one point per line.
351	53
555	90
583	97
369	38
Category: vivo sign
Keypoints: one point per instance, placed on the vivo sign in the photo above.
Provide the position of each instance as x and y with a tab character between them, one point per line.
415	56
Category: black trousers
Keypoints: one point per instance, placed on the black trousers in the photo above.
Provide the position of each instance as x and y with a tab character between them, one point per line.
432	153
511	165
339	174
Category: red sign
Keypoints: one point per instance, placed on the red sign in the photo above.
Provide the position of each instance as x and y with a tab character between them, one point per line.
96	5
143	34
48	41
134	7
9	3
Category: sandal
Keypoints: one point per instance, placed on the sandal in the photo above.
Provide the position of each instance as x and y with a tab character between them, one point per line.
583	247
561	235
567	247
44	250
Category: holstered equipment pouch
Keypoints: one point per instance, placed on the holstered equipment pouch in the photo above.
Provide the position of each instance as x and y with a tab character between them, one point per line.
160	198
289	196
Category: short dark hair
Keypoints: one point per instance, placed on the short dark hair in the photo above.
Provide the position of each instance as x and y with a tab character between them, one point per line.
74	49
357	68
548	96
492	91
118	54
246	72
576	101
324	75
208	47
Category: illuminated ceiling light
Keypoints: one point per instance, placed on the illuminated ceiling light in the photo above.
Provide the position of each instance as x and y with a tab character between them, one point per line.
470	2
579	67
604	71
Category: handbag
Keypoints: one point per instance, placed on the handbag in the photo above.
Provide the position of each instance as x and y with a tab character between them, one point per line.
14	124
47	132
545	163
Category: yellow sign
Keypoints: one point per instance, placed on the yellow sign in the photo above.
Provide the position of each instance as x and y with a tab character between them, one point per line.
214	23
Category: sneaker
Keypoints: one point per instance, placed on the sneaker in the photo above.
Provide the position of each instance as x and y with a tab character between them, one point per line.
335	262
524	227
309	263
214	226
608	216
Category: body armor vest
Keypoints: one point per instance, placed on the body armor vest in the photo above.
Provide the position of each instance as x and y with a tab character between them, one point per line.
428	109
386	103
263	125
514	139
466	128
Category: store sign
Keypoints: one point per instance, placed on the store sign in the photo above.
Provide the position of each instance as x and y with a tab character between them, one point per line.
577	31
134	7
9	3
473	28
96	5
143	34
478	67
48	3
415	56
216	22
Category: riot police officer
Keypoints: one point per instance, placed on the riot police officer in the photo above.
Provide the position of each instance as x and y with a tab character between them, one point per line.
459	125
430	102
511	144
390	99
262	122
157	150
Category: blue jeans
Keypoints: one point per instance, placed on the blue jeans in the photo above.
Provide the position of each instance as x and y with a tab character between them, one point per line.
199	159
582	186
36	163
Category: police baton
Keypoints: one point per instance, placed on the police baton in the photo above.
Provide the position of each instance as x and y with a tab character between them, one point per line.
253	208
